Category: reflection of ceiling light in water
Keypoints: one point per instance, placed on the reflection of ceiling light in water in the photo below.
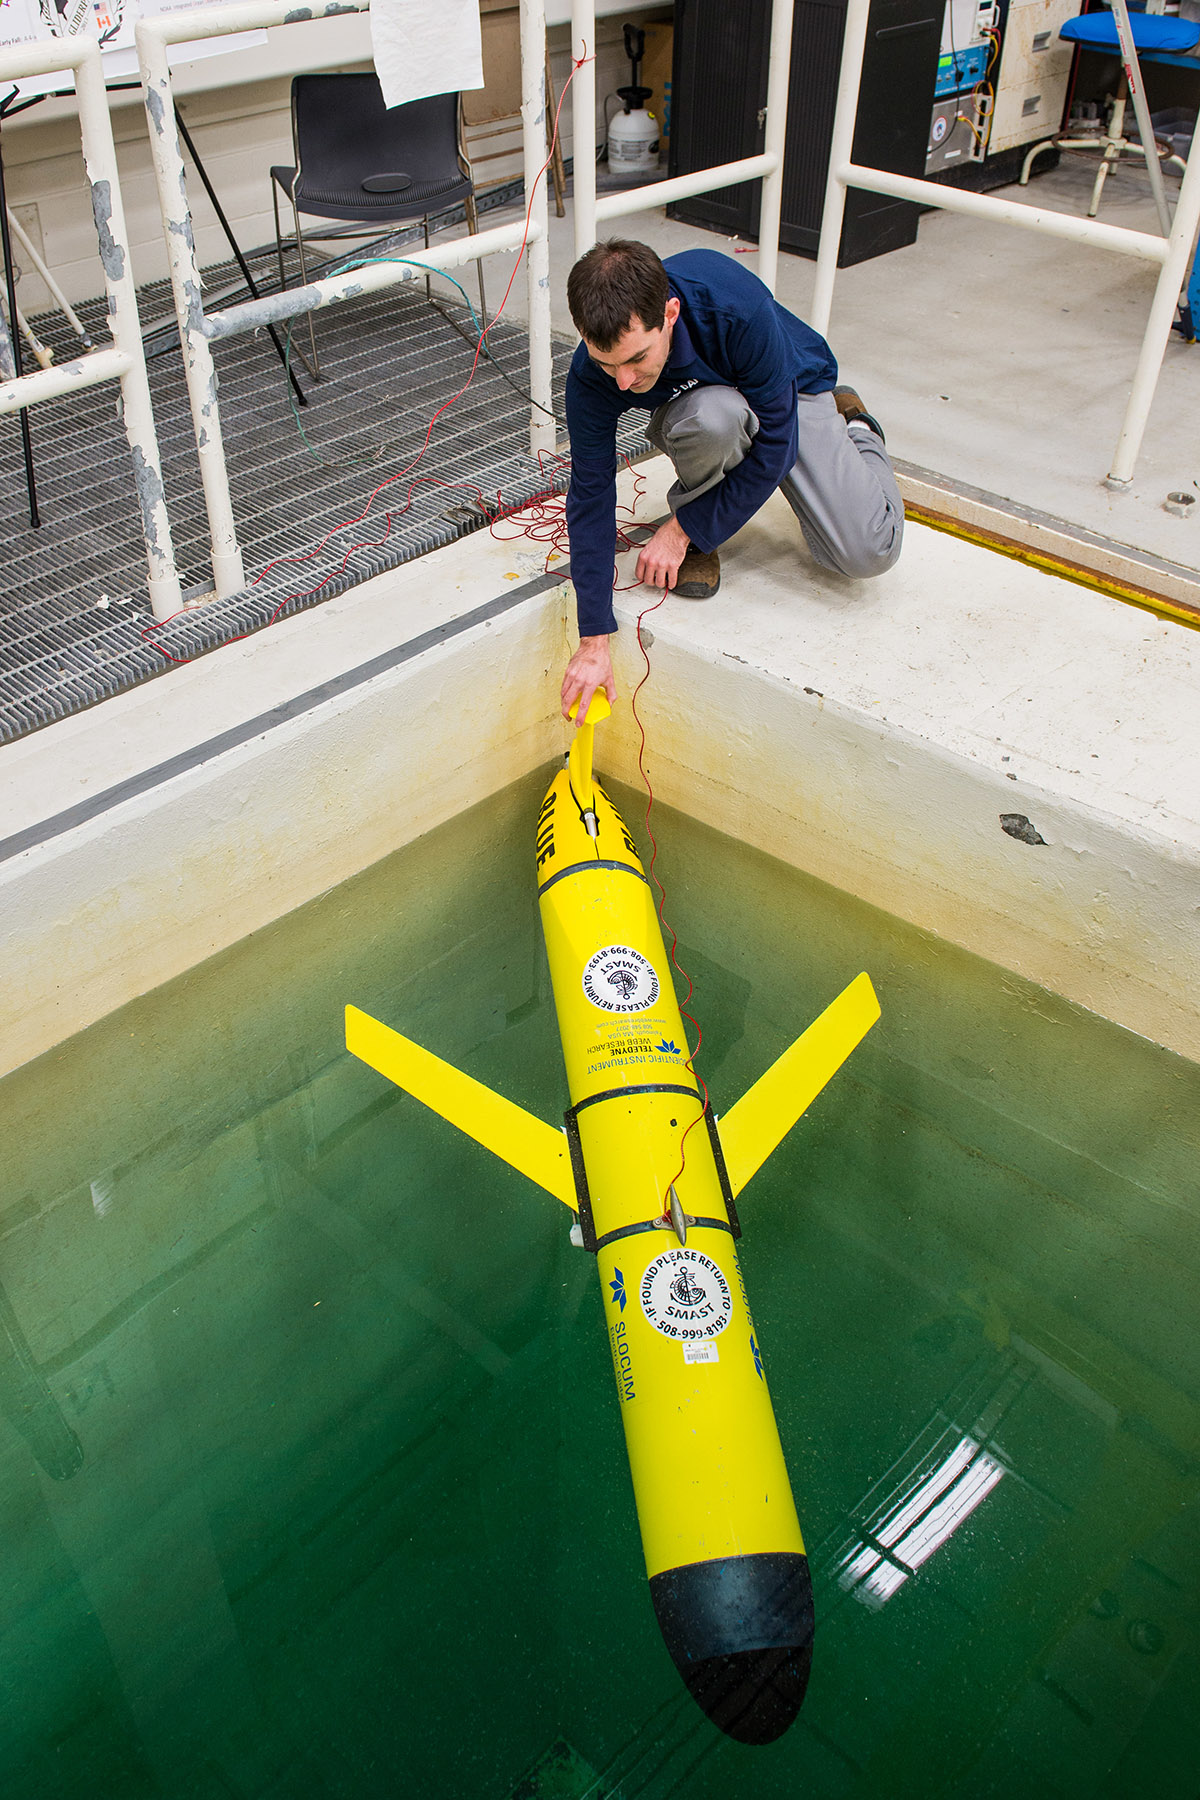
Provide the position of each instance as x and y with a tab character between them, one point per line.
912	1531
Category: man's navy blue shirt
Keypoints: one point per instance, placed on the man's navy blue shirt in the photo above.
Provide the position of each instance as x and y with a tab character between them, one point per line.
729	333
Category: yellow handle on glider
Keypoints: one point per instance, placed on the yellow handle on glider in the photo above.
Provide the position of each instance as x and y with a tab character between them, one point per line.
579	761
598	709
507	1130
765	1114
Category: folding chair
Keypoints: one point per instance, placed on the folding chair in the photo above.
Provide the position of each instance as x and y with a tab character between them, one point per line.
369	167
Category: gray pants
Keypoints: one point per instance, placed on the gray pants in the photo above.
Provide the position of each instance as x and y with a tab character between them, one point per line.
842	487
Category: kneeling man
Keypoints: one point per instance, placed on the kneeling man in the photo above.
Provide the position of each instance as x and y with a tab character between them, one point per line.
743	399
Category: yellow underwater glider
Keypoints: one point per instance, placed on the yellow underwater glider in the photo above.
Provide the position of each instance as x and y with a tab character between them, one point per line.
728	1574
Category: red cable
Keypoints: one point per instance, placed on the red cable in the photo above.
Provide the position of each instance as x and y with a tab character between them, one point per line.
150	632
690	1063
548	524
549	527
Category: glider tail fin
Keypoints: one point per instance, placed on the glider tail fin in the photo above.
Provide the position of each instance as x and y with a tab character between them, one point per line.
764	1115
507	1130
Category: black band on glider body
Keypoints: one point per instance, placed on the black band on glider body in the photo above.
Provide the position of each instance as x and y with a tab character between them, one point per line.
582	868
624	1231
641	1087
735	1224
587	1224
730	1223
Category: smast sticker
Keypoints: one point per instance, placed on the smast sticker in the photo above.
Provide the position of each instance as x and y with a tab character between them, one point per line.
685	1296
620	980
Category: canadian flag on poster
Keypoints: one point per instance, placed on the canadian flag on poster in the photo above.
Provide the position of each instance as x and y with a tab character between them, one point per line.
426	47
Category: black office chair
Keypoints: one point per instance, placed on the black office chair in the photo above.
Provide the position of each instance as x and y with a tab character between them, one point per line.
360	163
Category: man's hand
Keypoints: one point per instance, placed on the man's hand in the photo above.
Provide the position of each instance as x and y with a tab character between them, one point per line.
658	564
590	668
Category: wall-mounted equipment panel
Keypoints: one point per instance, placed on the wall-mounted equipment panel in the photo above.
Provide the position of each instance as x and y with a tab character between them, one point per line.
957	131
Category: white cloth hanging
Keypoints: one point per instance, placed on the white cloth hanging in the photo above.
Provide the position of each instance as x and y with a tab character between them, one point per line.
426	47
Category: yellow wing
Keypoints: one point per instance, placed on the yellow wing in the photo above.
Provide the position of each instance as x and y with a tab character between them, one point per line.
502	1127
766	1112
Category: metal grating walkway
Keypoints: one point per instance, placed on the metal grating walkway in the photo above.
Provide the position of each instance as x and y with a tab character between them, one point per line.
75	621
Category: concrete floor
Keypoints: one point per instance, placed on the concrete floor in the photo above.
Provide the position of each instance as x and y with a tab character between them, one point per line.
999	358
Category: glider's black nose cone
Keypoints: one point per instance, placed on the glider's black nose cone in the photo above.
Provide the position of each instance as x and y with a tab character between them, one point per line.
754	1695
740	1632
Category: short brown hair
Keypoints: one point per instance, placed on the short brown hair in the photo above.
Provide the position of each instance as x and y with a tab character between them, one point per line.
610	286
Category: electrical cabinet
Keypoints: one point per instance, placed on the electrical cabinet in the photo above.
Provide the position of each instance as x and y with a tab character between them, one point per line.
1035	68
719	91
978	135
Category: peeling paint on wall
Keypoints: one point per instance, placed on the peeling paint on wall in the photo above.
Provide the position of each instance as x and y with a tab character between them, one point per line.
1019	827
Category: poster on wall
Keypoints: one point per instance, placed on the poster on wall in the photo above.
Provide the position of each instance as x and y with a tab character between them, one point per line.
112	21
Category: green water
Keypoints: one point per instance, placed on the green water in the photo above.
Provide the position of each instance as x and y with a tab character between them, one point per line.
311	1475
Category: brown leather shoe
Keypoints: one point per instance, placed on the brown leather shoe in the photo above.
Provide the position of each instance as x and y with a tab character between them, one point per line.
699	575
852	408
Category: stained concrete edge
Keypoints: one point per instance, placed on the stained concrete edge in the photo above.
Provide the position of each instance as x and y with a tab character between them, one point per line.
870	733
177	819
1041	534
1098	910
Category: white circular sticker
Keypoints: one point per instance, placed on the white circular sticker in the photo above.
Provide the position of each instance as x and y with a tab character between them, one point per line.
685	1296
620	980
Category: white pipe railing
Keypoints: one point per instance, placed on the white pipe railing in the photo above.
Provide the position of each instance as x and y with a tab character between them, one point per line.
63	378
682	187
196	329
767	167
1170	252
779	71
1141	112
537	206
353	284
583	124
124	361
1142	244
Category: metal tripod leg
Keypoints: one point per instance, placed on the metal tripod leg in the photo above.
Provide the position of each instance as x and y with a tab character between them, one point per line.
15	340
242	264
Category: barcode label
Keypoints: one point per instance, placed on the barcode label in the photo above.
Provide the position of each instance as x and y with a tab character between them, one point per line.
705	1352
